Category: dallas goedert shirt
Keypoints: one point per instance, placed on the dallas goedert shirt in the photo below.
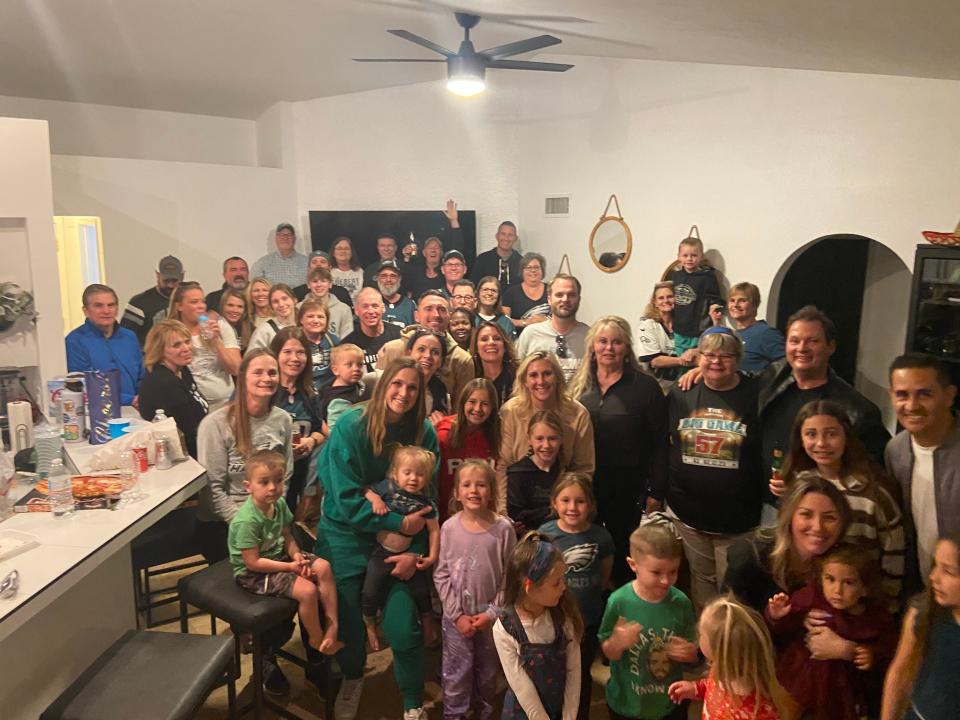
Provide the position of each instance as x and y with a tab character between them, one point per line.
715	483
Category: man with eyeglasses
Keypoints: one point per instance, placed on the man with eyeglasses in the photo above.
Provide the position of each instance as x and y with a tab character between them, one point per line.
453	268
464	296
502	261
562	334
150	305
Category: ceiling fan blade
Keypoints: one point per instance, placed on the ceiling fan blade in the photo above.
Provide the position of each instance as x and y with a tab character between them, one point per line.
397	60
528	65
521	46
429	44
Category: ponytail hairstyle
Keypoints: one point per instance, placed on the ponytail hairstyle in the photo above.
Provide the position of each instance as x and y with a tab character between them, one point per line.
490	427
742	651
533	558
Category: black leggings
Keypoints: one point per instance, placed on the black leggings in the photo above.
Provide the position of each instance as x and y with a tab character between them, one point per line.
377	581
619	495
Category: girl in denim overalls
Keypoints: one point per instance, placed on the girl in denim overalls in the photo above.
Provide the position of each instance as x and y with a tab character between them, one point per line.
538	635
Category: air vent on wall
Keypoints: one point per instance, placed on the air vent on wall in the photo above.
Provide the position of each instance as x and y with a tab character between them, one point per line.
556	206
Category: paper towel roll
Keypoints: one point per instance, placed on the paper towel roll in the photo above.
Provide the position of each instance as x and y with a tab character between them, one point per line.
20	417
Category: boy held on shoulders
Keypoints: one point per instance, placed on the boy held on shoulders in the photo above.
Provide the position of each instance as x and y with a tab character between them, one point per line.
648	628
695	288
266	560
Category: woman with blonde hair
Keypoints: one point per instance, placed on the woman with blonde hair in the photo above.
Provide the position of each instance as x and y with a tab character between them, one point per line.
216	350
655	336
629	416
169	383
540	385
258	300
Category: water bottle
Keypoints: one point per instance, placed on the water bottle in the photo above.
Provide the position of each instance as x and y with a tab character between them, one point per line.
205	332
59	489
160	416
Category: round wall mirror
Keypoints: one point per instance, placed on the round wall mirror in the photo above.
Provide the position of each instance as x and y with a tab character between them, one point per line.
610	240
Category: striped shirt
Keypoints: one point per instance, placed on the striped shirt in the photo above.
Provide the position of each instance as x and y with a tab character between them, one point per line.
877	523
276	268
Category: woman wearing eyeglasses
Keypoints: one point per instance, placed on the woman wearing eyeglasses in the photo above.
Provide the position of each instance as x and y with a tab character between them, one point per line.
715	484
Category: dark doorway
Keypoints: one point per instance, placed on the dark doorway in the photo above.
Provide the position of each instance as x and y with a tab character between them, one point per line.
830	274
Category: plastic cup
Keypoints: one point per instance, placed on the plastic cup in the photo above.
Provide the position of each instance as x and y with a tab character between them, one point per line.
117	427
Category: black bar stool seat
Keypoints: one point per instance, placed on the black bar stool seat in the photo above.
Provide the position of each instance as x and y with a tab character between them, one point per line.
149	676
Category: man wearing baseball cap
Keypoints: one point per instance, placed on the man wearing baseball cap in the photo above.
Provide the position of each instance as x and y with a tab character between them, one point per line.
453	268
398	308
150	305
285	265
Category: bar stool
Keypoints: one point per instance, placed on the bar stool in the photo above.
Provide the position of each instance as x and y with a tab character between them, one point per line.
214	591
156	675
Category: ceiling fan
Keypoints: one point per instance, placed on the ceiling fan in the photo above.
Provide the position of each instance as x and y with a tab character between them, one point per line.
466	68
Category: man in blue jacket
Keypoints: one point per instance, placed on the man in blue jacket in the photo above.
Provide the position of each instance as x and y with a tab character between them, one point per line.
101	344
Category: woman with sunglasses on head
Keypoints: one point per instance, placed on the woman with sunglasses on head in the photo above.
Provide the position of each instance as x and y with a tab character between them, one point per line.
216	350
715	483
540	385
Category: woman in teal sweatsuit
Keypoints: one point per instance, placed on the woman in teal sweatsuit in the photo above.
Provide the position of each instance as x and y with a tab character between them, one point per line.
354	457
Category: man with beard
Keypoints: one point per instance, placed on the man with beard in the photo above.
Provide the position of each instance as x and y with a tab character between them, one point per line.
236	274
142	309
372	333
925	459
563	335
433	311
399	308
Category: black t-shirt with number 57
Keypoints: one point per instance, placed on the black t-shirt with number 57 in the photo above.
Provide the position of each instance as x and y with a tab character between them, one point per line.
716	482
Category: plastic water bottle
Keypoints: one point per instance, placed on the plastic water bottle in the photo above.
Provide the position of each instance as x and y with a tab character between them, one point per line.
205	331
160	416
59	489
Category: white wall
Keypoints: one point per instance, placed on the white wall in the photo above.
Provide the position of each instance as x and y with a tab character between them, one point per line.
26	210
409	148
107	131
763	160
198	212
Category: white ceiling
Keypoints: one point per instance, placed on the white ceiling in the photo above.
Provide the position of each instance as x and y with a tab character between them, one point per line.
237	57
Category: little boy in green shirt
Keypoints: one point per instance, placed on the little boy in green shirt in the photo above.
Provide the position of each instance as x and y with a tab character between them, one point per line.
266	560
647	630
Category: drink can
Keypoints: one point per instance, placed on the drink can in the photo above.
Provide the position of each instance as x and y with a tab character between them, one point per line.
163	454
140	458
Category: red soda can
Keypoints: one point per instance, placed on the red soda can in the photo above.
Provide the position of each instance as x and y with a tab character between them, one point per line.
140	453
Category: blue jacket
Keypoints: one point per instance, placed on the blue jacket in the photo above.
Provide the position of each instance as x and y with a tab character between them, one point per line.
88	349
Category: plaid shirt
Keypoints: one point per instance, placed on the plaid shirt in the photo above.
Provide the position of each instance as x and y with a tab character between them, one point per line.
277	269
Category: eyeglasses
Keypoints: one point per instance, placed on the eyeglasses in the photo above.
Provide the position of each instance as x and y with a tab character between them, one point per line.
464	298
563	351
454	265
488	291
718	357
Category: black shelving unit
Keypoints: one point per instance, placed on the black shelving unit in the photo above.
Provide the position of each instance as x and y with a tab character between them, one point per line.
934	322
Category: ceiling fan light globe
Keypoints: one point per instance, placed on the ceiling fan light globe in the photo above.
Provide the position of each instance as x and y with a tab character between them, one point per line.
466	86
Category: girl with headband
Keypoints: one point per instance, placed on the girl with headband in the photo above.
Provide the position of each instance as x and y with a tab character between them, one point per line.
538	635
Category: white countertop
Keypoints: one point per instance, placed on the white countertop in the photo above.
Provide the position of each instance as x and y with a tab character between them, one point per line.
70	547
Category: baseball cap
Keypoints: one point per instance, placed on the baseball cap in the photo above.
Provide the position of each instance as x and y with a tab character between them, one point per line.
454	255
286	226
170	268
321	253
387	264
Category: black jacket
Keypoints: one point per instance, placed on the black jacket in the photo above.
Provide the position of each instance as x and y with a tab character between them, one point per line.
864	415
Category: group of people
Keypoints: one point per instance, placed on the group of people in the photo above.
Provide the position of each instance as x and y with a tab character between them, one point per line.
477	449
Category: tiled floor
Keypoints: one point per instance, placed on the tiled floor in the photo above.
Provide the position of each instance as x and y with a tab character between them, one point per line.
381	699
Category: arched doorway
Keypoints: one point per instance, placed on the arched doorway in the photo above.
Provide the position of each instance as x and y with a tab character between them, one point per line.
865	289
